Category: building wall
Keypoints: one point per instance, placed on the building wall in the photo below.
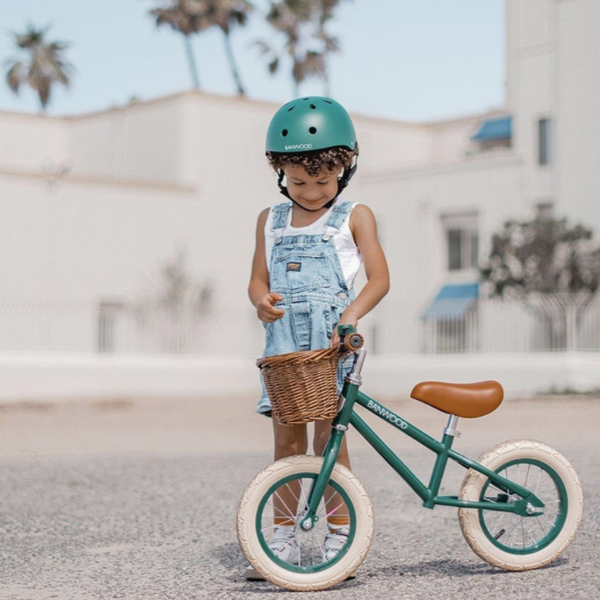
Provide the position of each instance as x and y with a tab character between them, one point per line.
139	142
410	206
578	125
95	205
143	183
32	142
552	66
531	59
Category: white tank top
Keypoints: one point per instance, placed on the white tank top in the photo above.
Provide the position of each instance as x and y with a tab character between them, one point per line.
345	246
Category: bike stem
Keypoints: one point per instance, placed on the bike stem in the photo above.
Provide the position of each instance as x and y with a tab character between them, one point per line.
339	427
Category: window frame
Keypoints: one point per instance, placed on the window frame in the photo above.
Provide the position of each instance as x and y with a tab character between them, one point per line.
466	224
545	139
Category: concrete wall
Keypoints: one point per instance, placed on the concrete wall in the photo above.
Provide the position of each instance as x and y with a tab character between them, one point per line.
32	143
39	377
552	71
578	126
532	93
94	205
410	205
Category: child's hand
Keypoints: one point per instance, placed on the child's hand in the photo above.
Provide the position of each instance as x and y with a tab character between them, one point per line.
266	311
344	320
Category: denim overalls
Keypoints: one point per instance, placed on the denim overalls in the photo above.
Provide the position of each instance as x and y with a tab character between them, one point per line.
306	271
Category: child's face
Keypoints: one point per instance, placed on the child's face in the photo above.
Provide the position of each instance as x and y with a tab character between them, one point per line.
308	191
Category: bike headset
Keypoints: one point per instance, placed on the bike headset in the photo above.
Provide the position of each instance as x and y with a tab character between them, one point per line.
310	124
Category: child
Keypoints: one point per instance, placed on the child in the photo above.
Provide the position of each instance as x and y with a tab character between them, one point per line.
308	252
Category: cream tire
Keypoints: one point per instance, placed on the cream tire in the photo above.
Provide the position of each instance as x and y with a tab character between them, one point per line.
561	481
248	534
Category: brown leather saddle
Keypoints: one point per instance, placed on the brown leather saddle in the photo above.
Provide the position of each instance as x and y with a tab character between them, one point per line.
461	399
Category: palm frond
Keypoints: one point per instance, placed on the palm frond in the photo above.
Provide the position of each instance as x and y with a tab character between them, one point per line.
314	64
42	65
264	47
274	65
302	24
15	76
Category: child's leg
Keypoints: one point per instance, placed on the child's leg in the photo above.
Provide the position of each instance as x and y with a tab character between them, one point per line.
336	509
289	441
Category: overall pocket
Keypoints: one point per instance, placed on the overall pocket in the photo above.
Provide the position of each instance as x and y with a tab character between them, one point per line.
299	271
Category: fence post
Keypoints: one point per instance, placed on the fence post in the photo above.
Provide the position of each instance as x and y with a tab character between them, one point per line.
571	323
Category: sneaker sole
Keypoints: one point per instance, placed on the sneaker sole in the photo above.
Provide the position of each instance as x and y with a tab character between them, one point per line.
253	575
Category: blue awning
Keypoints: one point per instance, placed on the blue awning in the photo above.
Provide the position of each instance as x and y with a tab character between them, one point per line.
452	301
499	128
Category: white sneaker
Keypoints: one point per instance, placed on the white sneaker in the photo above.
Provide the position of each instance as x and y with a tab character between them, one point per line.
253	575
284	546
334	541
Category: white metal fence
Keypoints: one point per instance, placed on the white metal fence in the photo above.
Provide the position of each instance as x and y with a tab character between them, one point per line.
63	325
546	324
125	329
66	325
47	324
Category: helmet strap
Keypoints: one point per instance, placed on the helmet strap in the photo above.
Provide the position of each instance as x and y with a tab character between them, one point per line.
343	182
283	190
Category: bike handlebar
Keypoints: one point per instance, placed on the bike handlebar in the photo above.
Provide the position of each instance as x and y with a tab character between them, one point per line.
351	340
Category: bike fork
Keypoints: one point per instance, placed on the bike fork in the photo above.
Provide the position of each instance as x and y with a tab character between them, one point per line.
339	427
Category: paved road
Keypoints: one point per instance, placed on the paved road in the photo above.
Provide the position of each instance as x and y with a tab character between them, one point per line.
87	513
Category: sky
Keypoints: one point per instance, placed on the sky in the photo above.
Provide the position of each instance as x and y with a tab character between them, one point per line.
409	60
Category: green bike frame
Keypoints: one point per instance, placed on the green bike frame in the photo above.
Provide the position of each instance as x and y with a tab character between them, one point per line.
528	506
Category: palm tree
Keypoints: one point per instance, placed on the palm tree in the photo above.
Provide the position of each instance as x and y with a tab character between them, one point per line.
188	17
40	64
224	14
307	43
290	17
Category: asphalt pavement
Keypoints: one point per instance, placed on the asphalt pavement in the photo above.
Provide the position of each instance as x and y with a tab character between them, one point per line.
137	500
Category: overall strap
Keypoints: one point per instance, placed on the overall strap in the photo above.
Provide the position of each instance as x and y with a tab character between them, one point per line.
338	215
280	215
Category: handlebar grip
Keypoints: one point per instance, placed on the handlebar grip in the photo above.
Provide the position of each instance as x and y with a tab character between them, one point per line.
353	342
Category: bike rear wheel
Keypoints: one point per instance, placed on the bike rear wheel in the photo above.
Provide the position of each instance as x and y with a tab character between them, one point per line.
510	541
308	567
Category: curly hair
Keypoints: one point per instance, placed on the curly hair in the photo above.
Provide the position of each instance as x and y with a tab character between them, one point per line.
314	162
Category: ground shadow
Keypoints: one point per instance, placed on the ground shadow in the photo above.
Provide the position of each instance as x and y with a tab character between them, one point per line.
232	560
445	567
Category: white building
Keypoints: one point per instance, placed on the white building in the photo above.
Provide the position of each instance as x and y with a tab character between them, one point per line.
93	207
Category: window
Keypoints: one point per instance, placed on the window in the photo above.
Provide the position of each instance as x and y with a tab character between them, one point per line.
545	210
544	141
462	241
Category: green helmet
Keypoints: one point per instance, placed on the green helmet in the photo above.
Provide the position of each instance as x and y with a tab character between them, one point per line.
310	123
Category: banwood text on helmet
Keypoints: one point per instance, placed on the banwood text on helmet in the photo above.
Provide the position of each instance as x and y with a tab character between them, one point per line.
308	124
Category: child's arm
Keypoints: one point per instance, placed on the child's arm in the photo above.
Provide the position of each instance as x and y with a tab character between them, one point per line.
364	230
258	290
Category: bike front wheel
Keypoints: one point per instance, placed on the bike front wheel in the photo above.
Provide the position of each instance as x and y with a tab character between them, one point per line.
279	494
510	541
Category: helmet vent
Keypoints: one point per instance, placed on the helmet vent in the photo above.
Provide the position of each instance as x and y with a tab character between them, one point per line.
328	101
291	108
313	106
312	130
284	132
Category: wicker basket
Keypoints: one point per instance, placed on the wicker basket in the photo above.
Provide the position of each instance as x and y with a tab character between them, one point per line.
302	386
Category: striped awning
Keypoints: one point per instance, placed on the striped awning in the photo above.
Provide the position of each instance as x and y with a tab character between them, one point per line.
452	301
499	128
